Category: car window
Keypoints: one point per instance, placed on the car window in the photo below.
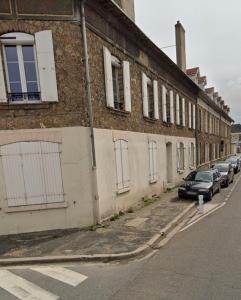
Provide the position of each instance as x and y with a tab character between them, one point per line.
221	168
191	176
204	177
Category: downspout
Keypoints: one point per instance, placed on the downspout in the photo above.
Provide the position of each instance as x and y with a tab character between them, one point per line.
196	135
96	210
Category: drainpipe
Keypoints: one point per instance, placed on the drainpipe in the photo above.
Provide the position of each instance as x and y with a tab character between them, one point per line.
96	210
197	135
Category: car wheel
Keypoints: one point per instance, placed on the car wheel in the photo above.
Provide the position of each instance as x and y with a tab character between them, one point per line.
227	183
209	196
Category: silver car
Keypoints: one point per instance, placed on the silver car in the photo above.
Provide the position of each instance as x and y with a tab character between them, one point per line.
227	173
235	162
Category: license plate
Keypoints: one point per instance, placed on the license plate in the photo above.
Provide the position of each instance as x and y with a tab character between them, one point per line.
192	193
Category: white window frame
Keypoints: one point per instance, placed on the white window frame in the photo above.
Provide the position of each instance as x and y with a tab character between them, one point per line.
22	39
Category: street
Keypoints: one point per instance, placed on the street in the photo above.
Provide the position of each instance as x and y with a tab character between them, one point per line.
202	262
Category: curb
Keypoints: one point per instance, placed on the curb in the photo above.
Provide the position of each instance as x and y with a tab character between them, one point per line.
144	249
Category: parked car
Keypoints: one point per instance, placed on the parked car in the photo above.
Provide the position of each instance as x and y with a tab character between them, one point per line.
205	183
227	173
235	162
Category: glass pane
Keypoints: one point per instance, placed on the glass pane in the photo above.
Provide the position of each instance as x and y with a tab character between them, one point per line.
28	53
13	72
16	87
11	53
30	71
32	87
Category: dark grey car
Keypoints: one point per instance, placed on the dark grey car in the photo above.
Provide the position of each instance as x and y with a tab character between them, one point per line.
235	162
227	173
205	183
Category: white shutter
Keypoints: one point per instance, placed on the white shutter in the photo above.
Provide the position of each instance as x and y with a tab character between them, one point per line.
178	157
194	116
125	164
177	110
183	112
184	156
46	66
156	100
154	160
118	158
127	85
171	107
13	174
190	114
145	95
3	93
164	104
108	78
151	166
190	154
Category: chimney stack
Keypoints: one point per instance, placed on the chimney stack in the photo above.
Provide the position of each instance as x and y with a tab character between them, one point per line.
180	46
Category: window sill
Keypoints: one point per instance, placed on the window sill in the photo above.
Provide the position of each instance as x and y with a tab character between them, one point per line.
36	207
192	168
180	126
118	112
123	191
153	181
150	120
180	171
25	106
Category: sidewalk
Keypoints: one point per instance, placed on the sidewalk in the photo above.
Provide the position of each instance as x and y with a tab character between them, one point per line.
124	234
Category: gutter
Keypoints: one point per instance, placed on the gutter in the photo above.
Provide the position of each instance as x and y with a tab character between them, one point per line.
96	210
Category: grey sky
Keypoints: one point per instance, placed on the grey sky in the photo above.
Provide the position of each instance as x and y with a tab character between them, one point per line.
213	39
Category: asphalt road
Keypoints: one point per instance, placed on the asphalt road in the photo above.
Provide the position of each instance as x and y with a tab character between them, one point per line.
202	262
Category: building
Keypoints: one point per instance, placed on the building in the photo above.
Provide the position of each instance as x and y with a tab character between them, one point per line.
128	7
94	116
236	138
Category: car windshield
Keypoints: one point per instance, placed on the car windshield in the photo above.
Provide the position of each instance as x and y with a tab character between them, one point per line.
221	168
232	161
200	176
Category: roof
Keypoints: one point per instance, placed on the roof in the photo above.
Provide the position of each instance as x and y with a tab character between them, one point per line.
210	90
202	79
193	71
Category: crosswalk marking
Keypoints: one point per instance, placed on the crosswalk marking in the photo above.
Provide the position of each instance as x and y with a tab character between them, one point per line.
23	289
67	276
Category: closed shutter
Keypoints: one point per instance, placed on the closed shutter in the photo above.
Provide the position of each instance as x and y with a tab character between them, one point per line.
177	110
145	95
32	173
194	116
184	156
46	66
153	161
190	114
156	100
178	157
127	85
190	154
171	107
108	78
122	164
164	104
183	112
3	93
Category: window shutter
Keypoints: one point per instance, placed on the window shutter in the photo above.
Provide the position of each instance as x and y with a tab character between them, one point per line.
151	166
127	85
184	156
125	164
154	160
178	157
164	104
145	95
190	114
194	116
183	112
177	110
156	105
108	78
190	154
46	66
171	107
3	93
118	159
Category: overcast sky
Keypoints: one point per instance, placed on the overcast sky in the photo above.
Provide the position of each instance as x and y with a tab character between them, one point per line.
213	39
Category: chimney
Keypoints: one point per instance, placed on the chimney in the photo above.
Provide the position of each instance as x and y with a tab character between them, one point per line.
180	46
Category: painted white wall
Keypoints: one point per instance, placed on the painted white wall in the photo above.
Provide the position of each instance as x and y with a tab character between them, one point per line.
76	168
110	201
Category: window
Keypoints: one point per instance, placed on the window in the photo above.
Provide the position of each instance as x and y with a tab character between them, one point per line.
153	161
122	166
29	68
180	157
32	173
150	98
199	120
192	155
117	82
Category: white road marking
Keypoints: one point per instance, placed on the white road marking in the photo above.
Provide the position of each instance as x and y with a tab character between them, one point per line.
67	276
23	289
